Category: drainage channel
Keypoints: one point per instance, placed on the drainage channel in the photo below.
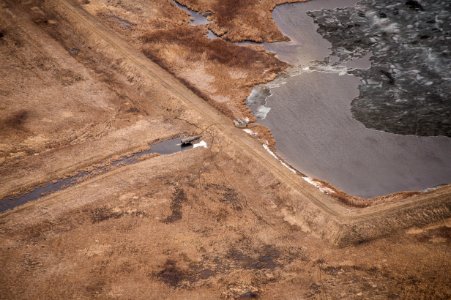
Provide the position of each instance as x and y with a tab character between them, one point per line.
163	148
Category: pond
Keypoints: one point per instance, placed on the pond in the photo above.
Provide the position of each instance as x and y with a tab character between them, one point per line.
311	113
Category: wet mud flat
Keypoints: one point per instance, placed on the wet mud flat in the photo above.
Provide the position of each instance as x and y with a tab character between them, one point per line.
354	71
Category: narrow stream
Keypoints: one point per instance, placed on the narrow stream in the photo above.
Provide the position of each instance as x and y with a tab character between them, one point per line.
163	148
199	19
309	113
196	18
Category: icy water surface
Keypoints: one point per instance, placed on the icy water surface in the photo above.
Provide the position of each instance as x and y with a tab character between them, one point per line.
309	110
407	89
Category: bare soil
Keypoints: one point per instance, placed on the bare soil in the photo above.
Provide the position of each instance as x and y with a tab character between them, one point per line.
227	222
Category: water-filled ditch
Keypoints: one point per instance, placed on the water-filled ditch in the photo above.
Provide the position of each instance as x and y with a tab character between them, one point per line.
163	148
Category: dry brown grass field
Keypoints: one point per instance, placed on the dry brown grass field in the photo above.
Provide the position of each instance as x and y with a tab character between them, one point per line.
86	82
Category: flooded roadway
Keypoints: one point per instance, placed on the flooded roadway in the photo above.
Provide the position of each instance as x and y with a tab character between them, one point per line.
309	114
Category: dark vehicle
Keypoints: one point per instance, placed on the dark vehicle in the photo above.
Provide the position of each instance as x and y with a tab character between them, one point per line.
188	141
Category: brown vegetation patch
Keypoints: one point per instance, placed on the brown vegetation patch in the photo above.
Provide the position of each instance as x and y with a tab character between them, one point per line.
184	52
171	274
217	50
67	77
39	232
228	195
95	288
175	276
226	11
441	233
266	258
248	295
183	272
16	120
379	283
246	255
101	214
178	198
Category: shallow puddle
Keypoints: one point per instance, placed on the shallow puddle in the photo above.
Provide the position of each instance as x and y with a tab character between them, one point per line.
309	113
